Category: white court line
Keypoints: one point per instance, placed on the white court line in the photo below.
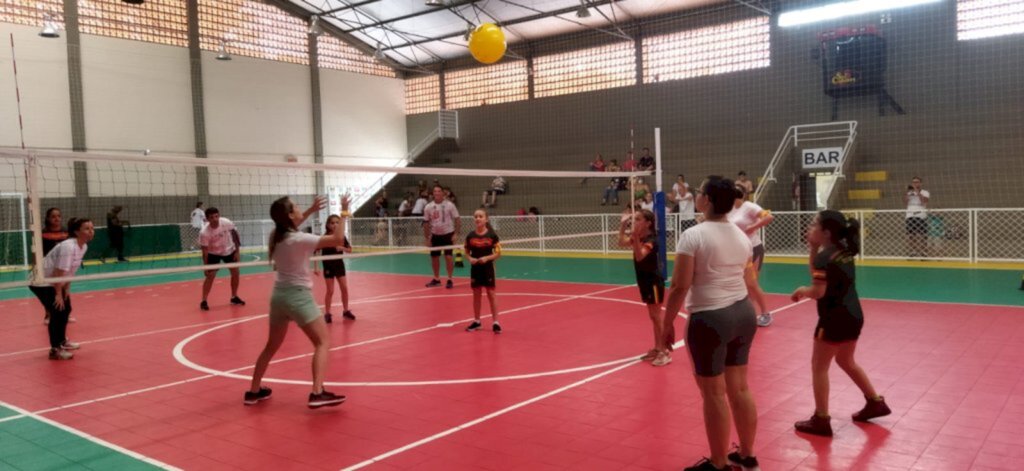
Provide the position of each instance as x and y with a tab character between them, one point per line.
232	373
190	326
91	438
172	384
13	417
487	417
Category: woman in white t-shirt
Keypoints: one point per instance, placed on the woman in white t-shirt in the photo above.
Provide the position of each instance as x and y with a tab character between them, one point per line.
750	218
684	203
713	259
292	298
62	261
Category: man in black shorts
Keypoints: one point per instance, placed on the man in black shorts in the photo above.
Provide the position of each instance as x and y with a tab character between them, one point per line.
440	225
220	243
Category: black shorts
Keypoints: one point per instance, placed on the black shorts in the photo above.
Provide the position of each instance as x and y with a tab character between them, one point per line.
720	338
917	226
652	288
838	328
758	257
334	269
441	241
481	276
214	259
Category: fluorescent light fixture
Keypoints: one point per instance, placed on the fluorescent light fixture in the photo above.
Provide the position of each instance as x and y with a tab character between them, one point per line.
844	9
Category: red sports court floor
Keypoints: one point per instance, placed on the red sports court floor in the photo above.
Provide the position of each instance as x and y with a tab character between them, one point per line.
559	389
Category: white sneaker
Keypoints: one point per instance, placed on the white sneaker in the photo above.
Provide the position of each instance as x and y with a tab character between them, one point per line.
663	359
68	345
60	354
650	356
764	320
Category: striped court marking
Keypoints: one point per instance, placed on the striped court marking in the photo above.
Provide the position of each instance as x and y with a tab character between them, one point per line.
91	438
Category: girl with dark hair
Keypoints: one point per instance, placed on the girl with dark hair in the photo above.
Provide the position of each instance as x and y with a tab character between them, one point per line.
62	261
750	218
643	240
292	298
53	234
713	260
835	243
482	249
335	270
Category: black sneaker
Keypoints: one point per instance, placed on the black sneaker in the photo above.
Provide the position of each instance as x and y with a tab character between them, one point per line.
328	318
872	409
706	465
475	326
348	315
821	426
252	398
203	306
749	462
449	284
433	283
237	301
324	399
496	328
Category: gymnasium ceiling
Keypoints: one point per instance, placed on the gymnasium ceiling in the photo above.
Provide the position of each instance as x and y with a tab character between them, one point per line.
412	33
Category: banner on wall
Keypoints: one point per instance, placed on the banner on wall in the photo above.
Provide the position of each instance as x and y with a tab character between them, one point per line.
823	158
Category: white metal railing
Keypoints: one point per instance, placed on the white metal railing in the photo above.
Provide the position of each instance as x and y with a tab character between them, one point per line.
802	134
966	235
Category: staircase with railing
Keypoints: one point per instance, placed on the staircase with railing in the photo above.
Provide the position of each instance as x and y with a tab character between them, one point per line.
802	136
447	129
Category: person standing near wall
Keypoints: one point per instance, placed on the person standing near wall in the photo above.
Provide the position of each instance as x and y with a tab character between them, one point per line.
746	183
198	220
916	200
441	226
115	234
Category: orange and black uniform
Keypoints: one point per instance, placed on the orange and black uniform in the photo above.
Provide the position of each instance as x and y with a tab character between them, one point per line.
648	274
334	268
840	317
52	238
478	246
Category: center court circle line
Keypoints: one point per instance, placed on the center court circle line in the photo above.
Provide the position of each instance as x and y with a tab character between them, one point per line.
182	359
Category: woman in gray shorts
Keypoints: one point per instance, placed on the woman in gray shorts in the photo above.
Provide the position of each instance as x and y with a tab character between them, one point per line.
712	261
292	298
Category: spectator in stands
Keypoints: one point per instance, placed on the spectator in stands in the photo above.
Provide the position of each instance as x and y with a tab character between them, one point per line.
498	187
115	234
380	207
597	165
640	188
684	203
746	183
916	200
521	215
646	160
405	209
450	196
629	165
648	202
421	202
533	213
611	192
198	218
421	187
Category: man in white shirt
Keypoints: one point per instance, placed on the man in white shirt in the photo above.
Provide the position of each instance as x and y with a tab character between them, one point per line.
220	243
916	200
684	203
198	218
441	224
